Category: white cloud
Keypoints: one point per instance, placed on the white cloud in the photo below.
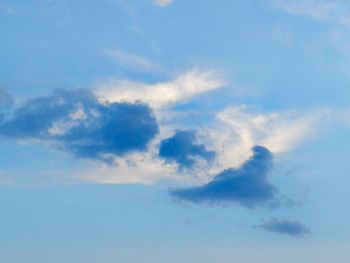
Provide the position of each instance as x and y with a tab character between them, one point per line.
320	10
135	168
237	130
142	168
162	94
145	168
131	60
316	9
232	135
163	3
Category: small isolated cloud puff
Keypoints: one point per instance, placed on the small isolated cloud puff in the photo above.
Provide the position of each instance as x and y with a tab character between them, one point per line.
285	227
79	123
182	149
163	3
247	185
163	94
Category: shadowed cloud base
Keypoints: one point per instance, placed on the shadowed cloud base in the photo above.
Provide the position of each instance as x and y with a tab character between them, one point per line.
247	185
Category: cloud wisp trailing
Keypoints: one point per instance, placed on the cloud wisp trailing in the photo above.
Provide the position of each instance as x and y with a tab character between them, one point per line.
77	122
183	149
285	227
237	129
247	185
131	60
163	3
163	94
335	11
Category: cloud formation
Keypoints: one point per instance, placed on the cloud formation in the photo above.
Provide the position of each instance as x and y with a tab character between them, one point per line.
76	121
237	129
131	60
285	227
247	185
162	94
183	149
318	10
163	3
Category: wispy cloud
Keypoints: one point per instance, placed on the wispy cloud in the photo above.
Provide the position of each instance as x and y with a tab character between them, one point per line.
319	10
285	227
131	60
163	3
238	129
135	168
184	87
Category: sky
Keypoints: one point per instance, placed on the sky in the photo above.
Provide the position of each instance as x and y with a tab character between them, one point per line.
174	131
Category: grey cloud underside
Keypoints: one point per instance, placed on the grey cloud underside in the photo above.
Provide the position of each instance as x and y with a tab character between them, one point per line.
247	185
183	149
285	227
79	123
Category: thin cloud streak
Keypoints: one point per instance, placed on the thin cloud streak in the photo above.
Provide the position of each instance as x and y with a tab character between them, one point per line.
318	10
131	60
162	94
285	227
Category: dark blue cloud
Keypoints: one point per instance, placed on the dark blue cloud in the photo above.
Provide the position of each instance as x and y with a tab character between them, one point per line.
182	148
81	124
247	185
293	228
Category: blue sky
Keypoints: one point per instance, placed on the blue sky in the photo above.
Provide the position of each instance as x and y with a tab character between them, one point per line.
171	130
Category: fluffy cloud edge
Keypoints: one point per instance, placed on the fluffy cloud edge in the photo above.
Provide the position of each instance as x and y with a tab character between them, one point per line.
318	10
162	94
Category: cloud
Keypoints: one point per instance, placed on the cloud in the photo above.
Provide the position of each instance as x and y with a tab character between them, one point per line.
182	148
148	167
76	121
237	129
163	3
319	10
247	185
131	61
163	94
285	227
